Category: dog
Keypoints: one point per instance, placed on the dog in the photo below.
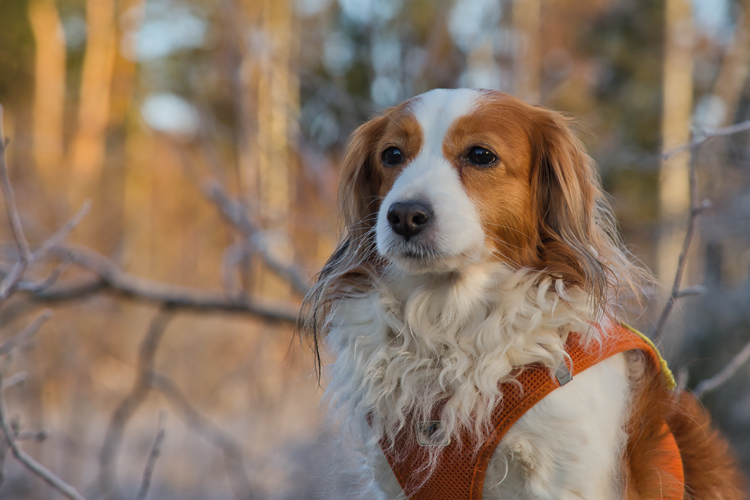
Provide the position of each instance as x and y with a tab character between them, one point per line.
477	239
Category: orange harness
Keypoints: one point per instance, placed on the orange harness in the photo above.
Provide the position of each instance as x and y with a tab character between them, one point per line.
460	472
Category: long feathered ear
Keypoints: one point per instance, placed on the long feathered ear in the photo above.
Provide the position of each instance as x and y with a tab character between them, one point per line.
351	265
578	240
359	186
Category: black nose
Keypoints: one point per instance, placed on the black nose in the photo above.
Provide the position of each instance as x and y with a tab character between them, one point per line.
408	218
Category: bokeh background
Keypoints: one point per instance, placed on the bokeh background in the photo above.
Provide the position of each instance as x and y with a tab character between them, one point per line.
139	105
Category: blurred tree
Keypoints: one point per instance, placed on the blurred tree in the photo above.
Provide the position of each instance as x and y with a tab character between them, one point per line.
49	89
526	16
677	109
89	141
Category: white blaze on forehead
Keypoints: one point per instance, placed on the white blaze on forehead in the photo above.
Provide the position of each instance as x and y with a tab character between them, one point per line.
454	232
438	109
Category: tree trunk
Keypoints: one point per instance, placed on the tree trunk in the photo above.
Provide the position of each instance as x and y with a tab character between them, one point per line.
49	90
526	17
677	99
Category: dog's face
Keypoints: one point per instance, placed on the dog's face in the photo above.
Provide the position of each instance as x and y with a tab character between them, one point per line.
454	169
454	177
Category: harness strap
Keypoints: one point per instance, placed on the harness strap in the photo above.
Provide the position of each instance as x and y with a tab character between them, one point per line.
460	473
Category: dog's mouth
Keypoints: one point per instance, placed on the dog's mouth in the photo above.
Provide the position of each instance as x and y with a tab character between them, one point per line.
411	255
419	257
411	250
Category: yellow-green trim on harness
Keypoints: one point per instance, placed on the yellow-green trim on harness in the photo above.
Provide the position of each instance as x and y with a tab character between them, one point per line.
665	371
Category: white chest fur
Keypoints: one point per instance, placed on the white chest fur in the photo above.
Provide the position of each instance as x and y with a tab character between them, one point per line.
399	350
568	446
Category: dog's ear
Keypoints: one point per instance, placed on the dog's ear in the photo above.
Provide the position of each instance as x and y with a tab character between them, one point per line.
569	205
349	268
359	201
360	182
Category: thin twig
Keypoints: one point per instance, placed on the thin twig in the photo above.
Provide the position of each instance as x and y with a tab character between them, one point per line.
4	449
51	279
32	435
695	142
32	465
25	256
68	293
235	213
233	255
689	291
725	374
149	379
106	479
705	136
15	379
11	279
10	199
234	458
695	211
62	233
161	433
26	333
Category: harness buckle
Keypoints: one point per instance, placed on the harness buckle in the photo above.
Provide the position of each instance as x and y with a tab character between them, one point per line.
563	375
428	433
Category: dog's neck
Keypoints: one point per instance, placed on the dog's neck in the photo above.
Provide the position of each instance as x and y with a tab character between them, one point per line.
415	339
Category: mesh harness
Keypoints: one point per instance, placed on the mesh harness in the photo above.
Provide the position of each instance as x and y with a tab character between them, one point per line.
460	473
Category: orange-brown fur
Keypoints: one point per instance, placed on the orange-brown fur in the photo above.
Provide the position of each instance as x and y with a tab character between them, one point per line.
503	195
711	472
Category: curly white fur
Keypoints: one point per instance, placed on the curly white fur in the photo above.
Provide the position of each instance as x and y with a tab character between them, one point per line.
403	346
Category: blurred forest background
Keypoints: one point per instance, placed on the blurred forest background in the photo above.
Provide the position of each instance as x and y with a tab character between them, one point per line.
207	135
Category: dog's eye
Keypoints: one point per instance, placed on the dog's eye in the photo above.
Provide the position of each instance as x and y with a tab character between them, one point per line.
481	156
392	156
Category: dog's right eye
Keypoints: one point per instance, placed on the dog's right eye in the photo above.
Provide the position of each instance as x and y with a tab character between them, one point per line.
392	156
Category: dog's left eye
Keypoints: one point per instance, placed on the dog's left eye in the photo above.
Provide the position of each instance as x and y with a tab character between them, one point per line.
481	156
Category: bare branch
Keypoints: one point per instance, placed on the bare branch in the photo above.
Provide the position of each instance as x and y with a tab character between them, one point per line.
32	435
149	379
695	210
10	199
62	233
26	334
161	433
47	282
15	379
25	257
4	449
691	290
235	213
113	279
11	280
106	479
77	291
705	136
32	465
233	255
720	378
234	458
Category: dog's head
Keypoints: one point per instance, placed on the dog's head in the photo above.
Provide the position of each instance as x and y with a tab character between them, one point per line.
453	178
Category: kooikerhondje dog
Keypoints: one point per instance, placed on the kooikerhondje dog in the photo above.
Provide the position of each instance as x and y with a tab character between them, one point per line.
476	239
